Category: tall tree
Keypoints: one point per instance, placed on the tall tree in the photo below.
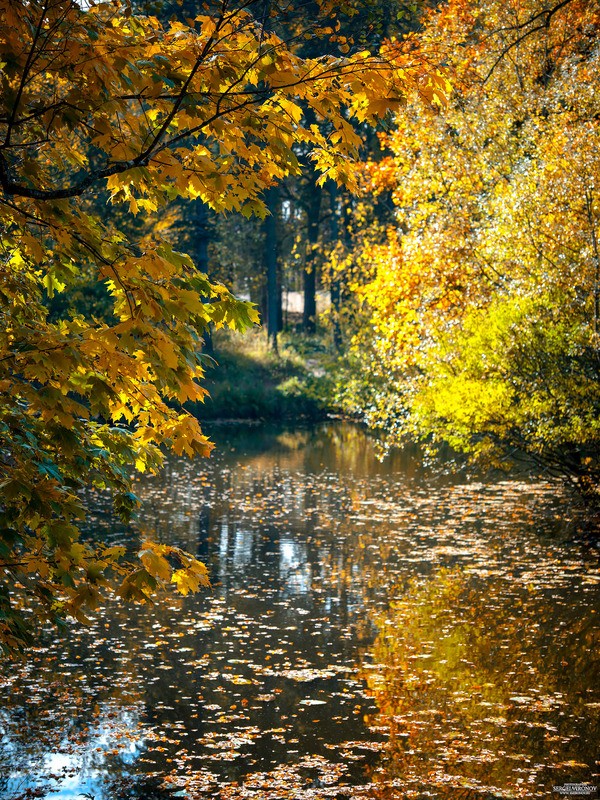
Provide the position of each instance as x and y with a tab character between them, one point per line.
312	204
271	255
358	24
335	288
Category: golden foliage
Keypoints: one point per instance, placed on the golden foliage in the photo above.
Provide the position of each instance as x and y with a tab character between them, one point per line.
98	101
483	301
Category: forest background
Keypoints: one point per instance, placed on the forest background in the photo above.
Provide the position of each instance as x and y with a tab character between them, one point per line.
430	170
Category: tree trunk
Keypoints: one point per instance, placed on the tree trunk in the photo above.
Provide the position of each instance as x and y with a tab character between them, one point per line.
271	254
335	289
202	237
313	211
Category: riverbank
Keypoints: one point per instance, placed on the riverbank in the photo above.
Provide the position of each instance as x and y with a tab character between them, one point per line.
247	380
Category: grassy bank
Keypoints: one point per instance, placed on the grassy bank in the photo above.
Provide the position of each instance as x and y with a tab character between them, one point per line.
247	380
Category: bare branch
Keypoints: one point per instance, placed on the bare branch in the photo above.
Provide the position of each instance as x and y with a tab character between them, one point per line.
545	15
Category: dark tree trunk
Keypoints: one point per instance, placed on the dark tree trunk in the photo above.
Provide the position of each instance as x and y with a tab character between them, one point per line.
279	300
335	289
271	253
313	212
201	240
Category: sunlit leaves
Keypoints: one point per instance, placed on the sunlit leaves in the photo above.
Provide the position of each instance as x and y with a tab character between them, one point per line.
480	304
157	560
100	101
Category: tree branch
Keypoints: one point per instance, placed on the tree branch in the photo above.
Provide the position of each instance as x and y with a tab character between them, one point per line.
26	68
545	15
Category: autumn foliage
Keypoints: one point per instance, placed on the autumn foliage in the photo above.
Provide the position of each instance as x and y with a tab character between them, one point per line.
480	302
104	107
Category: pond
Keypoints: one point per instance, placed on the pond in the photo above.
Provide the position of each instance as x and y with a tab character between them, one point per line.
372	632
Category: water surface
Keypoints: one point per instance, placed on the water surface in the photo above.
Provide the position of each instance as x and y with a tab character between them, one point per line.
372	632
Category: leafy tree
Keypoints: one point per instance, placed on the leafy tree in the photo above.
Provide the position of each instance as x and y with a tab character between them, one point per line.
482	299
97	98
360	23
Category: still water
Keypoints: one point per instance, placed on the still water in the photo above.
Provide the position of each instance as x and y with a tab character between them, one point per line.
372	632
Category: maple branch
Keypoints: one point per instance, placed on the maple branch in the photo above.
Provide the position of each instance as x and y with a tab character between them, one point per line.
546	15
251	97
26	68
112	265
17	354
12	188
38	113
183	93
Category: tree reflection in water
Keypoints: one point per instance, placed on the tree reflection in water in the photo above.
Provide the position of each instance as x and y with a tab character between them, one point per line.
484	683
372	632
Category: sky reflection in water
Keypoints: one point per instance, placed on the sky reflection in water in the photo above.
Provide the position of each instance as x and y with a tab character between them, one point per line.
372	632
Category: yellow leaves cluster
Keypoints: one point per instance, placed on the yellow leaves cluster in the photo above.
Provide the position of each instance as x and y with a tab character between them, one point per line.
188	577
482	301
211	109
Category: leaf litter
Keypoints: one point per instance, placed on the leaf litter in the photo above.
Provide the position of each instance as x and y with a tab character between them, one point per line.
371	633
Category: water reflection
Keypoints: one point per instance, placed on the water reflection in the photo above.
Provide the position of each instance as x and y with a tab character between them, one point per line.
487	685
371	632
